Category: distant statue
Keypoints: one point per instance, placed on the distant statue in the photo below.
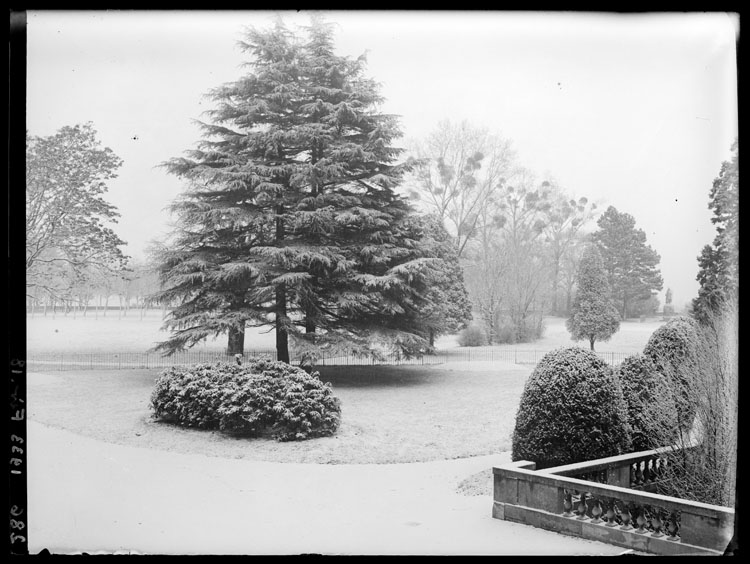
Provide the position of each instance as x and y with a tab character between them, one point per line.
238	359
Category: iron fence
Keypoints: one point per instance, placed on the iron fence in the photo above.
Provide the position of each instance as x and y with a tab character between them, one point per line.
125	360
132	360
516	356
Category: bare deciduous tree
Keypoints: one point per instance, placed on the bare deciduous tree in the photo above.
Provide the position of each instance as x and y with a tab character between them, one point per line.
462	168
66	235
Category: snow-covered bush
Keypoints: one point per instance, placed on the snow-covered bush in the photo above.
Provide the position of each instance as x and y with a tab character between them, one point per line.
672	349
572	409
261	397
473	336
652	412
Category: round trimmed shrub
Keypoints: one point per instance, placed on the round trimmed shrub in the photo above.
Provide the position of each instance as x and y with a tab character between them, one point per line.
672	348
260	398
572	409
652	413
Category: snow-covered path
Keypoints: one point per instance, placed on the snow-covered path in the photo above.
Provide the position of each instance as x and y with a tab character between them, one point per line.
91	496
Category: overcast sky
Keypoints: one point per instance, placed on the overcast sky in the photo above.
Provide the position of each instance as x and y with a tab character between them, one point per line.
634	111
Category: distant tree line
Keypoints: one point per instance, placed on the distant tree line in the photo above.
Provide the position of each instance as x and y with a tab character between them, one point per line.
94	294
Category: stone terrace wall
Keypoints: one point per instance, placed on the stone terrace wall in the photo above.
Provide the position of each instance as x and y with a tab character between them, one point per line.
608	509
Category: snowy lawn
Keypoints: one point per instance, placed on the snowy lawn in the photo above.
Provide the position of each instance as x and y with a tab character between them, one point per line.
86	495
389	414
130	495
133	333
114	333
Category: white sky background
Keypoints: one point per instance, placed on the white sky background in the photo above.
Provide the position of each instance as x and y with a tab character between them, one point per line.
634	111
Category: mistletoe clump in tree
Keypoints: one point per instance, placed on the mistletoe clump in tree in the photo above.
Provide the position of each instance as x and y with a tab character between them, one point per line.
290	219
593	316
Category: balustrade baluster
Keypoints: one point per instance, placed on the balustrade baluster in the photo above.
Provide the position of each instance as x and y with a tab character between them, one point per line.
656	469
672	526
657	523
626	518
610	515
639	473
596	511
641	520
567	503
633	478
646	472
582	507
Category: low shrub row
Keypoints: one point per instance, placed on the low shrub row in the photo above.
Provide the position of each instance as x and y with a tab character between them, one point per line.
504	331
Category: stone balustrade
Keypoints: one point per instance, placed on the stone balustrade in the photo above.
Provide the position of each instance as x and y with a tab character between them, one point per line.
637	470
609	500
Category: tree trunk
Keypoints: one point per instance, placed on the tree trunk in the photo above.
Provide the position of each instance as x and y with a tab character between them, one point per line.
591	341
309	320
555	277
432	337
282	338
236	341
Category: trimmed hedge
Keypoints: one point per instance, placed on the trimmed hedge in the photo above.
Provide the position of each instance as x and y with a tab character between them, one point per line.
572	409
672	348
652	413
259	398
672	342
